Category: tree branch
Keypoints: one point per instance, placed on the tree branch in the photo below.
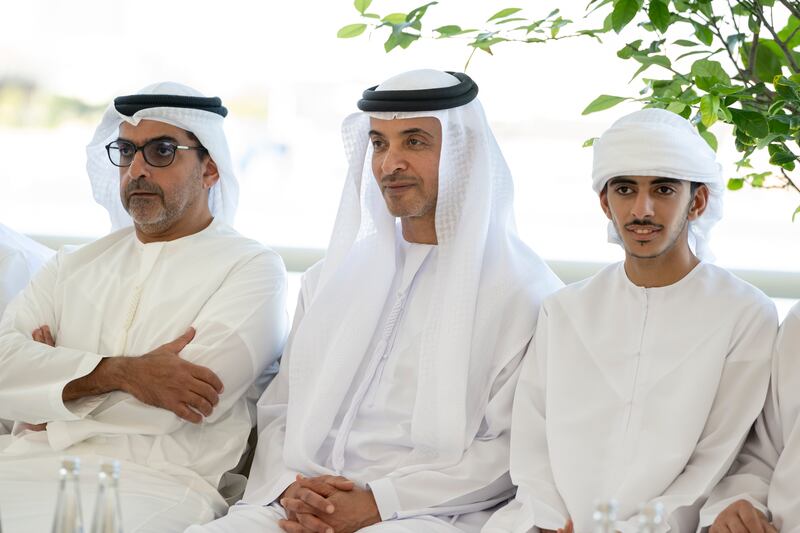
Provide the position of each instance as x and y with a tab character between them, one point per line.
715	29
789	180
782	45
793	9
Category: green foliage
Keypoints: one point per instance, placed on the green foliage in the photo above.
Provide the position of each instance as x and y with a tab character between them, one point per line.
623	13
732	61
604	101
351	30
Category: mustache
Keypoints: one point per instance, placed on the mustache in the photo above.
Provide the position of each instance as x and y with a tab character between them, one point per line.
639	222
392	178
141	185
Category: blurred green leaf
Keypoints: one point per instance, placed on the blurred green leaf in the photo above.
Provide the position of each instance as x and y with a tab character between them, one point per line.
707	73
685	42
418	12
752	123
703	34
623	13
602	102
734	184
710	138
503	13
648	61
659	15
450	31
589	142
394	18
676	107
627	51
790	30
362	5
709	106
351	30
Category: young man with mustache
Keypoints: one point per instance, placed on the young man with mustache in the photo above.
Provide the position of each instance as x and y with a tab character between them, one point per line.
642	381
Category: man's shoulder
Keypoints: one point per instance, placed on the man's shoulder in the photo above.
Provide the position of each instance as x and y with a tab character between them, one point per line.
579	292
719	283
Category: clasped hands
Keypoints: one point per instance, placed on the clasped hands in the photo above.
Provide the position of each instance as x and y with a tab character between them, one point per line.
327	504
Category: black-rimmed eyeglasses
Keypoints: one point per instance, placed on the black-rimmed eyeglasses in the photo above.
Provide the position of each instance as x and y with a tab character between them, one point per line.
157	153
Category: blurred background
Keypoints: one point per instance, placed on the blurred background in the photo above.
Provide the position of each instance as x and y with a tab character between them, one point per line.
289	82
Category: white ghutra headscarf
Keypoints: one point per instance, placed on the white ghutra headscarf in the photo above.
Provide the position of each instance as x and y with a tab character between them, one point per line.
205	125
481	261
656	142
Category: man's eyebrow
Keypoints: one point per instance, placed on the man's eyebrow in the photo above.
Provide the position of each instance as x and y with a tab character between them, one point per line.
659	181
159	138
413	131
409	131
626	181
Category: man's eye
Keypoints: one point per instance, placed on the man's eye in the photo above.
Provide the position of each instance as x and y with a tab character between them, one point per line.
415	142
623	190
377	143
126	149
665	190
164	149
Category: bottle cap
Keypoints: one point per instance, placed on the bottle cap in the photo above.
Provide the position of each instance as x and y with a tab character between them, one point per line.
110	469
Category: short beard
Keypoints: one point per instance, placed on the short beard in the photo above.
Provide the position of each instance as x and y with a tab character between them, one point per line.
670	245
169	213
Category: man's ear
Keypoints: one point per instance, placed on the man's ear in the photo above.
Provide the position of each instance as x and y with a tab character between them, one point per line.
210	173
604	202
699	202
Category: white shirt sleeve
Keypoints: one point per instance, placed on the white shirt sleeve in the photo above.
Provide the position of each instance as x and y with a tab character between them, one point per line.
34	374
537	502
239	332
269	475
766	466
14	276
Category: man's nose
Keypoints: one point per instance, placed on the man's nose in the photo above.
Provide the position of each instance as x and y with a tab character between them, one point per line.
393	161
643	205
138	167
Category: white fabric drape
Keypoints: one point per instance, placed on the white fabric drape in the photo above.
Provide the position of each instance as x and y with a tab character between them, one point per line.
20	258
767	470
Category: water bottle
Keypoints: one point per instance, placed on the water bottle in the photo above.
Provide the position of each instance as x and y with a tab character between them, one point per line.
650	516
107	515
68	518
605	516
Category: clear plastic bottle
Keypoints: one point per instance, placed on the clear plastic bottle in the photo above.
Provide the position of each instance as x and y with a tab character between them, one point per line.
605	516
68	517
107	515
650	516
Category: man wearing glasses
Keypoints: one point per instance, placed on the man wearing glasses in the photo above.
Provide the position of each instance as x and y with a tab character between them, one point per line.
146	346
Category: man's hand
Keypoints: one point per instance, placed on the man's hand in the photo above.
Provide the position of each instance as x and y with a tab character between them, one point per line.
741	516
42	334
568	528
328	504
159	378
162	379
